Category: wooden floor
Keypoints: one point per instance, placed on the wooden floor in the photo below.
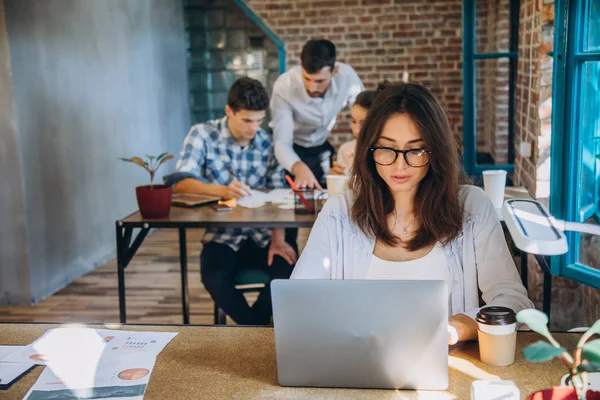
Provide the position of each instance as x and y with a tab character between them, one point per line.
153	288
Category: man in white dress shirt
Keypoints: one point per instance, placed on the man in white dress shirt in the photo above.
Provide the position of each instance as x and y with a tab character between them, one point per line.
304	107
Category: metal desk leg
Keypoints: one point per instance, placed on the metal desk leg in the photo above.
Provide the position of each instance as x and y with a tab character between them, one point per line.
547	293
124	255
185	295
121	274
524	268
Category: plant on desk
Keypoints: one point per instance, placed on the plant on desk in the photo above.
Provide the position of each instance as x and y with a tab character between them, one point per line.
154	201
586	358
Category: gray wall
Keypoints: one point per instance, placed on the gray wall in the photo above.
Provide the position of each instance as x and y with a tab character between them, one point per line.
93	81
14	268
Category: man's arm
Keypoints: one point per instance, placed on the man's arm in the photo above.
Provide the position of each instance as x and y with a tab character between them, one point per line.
356	86
283	137
283	131
193	157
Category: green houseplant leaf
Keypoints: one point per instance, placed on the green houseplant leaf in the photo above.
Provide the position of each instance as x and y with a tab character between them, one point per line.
589	367
541	352
161	156
595	329
591	350
537	321
167	158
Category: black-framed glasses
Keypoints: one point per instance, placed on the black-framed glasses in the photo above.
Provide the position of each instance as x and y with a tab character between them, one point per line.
388	156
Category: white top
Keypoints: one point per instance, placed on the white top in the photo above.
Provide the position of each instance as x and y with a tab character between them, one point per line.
478	259
432	266
346	154
296	118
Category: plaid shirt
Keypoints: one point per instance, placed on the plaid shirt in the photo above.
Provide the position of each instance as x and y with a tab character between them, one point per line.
210	152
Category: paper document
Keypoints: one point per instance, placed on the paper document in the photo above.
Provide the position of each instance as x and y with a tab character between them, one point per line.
125	377
83	363
276	196
256	199
89	345
9	371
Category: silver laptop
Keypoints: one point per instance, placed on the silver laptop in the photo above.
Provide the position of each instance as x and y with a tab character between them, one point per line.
361	333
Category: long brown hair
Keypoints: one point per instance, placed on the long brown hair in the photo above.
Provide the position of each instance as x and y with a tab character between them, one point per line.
437	202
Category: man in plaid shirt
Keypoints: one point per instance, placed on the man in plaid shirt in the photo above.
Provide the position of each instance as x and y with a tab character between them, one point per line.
227	158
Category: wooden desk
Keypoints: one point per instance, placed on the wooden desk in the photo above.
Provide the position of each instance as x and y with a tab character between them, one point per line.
268	216
239	363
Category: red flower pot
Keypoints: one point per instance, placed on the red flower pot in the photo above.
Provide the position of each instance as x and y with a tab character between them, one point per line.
561	393
155	202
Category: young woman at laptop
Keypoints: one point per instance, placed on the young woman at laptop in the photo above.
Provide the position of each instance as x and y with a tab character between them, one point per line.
407	217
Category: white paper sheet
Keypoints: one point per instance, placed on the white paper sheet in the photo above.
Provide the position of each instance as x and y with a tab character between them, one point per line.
87	346
256	199
6	350
112	378
9	371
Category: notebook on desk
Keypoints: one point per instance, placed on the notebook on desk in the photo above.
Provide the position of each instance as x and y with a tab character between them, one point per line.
193	200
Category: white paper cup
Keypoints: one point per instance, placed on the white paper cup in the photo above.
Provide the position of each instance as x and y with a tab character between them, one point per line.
494	183
336	184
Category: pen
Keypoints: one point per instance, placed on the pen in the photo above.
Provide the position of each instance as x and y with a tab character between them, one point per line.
235	177
295	188
230	170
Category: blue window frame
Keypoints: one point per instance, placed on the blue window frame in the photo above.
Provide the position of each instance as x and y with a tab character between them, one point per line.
472	58
575	180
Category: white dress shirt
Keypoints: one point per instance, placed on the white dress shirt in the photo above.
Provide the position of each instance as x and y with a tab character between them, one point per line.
299	119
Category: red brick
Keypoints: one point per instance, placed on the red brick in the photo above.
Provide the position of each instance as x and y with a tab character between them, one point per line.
327	4
376	2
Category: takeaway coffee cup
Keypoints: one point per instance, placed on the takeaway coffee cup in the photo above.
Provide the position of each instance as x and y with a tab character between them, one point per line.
494	183
336	184
497	335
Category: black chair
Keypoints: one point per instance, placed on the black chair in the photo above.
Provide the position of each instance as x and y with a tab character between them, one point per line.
246	280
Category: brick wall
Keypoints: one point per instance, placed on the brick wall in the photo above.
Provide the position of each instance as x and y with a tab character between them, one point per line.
527	123
380	39
492	36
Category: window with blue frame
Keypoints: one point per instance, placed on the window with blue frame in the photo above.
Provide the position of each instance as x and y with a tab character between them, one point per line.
575	185
490	42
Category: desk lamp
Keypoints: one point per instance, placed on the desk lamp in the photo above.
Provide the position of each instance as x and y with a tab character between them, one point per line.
535	231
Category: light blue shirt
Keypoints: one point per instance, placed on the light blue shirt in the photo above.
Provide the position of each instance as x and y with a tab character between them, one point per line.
478	259
296	118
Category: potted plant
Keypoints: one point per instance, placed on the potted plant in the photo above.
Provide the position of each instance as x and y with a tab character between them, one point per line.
585	359
154	201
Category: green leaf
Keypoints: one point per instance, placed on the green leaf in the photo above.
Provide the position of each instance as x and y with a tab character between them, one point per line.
536	320
161	156
542	351
595	329
150	157
125	159
167	158
591	350
589	367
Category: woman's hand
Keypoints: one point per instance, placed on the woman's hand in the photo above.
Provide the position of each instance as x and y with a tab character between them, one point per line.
461	327
337	169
